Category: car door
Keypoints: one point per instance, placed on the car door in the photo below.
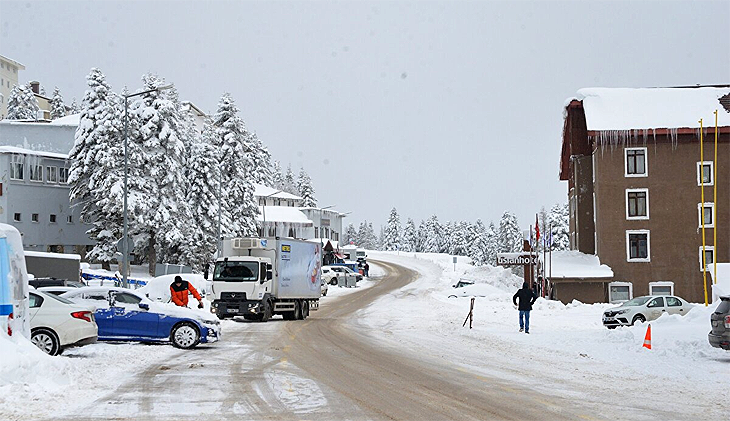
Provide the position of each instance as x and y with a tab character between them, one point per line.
102	314
674	306
655	308
131	321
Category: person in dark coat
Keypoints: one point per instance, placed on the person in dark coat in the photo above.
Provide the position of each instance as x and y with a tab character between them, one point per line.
367	269
526	299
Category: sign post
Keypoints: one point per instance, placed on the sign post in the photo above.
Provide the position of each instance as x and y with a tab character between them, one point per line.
454	263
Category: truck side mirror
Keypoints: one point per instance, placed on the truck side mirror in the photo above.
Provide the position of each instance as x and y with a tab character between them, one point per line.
269	275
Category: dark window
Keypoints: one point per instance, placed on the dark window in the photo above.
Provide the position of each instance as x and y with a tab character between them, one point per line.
637	204
673	302
708	210
706	174
16	168
35	301
635	161
123	297
16	217
36	173
638	246
657	302
70	219
53	218
34	217
63	175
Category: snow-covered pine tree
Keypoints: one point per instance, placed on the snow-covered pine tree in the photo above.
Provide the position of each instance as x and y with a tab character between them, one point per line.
58	108
351	235
432	238
410	237
392	233
75	108
261	161
478	247
420	236
492	245
560	220
305	190
381	239
289	182
42	90
363	239
447	245
509	234
22	104
164	219
92	166
462	238
277	178
370	237
239	205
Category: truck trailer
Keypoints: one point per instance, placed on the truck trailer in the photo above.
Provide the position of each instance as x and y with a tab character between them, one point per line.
259	277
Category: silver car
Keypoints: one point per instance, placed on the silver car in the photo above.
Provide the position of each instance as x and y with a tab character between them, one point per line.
642	309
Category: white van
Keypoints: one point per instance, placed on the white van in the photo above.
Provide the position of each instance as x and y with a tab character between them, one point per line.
13	284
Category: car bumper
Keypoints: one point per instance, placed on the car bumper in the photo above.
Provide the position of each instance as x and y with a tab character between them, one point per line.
616	321
210	333
238	308
719	341
82	342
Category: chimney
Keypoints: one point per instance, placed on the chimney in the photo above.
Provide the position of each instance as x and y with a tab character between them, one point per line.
36	87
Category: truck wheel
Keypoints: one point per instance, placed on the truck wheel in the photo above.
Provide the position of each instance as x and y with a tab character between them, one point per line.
298	310
185	336
266	315
305	309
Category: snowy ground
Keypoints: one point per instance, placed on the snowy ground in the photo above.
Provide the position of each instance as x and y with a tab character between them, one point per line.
568	351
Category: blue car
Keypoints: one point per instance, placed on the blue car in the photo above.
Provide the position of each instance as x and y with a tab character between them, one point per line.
125	315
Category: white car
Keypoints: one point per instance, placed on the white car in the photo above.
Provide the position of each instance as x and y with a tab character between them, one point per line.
56	290
57	323
646	308
331	274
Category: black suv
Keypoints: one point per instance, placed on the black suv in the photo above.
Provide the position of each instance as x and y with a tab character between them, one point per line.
719	336
54	282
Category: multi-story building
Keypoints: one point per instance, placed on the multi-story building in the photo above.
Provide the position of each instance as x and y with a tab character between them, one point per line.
635	173
9	69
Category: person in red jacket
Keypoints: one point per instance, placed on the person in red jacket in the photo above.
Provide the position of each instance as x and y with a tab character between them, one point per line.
179	291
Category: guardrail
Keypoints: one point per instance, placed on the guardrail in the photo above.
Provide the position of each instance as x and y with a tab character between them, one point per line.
116	281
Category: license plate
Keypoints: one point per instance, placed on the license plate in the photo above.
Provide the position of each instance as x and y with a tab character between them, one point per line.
608	319
232	310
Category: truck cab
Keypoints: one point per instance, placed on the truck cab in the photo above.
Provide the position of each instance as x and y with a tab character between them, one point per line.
240	283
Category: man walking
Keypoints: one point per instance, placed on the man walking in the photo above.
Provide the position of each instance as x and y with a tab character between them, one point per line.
527	299
179	291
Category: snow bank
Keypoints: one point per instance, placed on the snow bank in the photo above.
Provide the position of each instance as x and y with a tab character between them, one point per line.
24	367
574	264
721	286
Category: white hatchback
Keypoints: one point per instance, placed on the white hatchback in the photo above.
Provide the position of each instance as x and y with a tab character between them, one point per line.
57	323
646	308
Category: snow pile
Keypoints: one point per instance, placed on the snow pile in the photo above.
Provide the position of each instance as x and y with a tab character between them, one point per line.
574	264
158	289
24	368
721	286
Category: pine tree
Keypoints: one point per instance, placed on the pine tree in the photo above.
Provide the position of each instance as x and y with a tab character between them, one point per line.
239	206
75	108
391	239
447	246
261	160
410	238
351	235
462	238
58	109
560	219
509	234
305	190
22	104
433	236
492	245
289	183
420	236
478	246
277	178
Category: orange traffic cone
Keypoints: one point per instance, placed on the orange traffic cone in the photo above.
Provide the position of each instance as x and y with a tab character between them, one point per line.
647	338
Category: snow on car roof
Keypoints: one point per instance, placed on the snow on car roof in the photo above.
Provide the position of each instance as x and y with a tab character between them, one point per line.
652	108
574	264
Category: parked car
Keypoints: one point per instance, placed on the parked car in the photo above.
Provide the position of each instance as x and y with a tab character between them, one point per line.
331	273
126	315
54	282
56	290
719	336
57	323
463	283
642	309
324	287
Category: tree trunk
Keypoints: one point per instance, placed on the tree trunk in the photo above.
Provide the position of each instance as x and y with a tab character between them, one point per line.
152	255
106	266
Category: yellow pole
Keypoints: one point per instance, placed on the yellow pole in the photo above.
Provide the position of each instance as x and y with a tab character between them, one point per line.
702	214
714	180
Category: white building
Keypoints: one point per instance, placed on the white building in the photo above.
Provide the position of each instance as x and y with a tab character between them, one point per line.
8	79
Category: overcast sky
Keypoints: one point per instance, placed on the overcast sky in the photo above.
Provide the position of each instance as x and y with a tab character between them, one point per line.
453	109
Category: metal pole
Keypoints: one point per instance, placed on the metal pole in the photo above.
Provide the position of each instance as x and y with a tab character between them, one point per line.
220	204
714	230
125	245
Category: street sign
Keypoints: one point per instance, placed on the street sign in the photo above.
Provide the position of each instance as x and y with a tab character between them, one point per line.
130	245
516	259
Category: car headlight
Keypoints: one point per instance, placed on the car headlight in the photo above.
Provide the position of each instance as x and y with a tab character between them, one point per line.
622	311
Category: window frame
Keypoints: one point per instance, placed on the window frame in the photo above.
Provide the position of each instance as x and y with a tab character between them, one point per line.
70	219
710	249
35	218
64	171
700	165
646	203
53	218
669	284
700	207
626	162
14	163
620	284
51	169
646	259
657	300
30	173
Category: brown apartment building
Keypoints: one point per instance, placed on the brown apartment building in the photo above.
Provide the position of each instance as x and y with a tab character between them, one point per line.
632	161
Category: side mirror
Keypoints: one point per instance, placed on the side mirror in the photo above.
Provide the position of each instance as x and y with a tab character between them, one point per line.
112	298
269	275
144	306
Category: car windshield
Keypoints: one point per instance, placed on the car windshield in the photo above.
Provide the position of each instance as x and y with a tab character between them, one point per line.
74	284
236	271
638	301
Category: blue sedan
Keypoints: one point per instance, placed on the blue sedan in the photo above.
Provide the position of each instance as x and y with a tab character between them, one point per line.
124	315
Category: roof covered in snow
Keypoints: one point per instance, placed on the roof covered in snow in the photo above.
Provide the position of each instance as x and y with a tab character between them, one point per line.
652	108
52	255
576	265
285	214
265	191
15	149
69	120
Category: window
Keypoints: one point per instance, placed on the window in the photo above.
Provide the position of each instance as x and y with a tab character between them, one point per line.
635	160
709	257
673	302
316	232
637	203
34	217
51	174
708	208
620	291
657	302
16	217
123	297
63	175
35	301
705	173
70	219
36	172
661	288
638	246
16	167
53	218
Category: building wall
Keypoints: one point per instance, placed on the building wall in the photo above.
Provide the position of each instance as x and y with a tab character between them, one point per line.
675	237
9	78
588	292
37	136
330	221
43	198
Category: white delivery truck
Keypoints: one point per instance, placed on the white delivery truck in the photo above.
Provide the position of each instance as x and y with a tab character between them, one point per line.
259	277
14	309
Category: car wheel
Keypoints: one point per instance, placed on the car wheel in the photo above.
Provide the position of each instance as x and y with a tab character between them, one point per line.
334	281
638	318
46	340
611	327
324	294
305	309
185	336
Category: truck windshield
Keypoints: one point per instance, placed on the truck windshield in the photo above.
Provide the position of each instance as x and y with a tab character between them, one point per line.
236	271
